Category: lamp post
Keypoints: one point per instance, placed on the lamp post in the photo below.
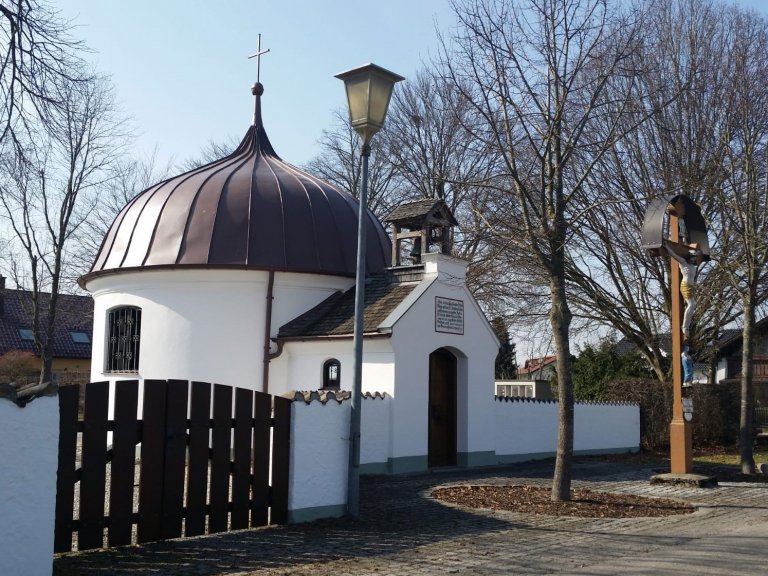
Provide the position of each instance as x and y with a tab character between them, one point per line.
369	89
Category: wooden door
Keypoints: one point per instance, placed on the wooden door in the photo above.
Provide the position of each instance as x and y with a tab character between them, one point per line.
442	409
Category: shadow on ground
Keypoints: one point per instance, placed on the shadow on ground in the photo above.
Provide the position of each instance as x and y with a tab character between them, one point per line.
396	515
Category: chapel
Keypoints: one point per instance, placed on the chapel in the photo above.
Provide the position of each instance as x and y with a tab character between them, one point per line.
241	272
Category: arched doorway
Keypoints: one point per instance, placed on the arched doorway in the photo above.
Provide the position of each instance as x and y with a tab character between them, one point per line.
442	409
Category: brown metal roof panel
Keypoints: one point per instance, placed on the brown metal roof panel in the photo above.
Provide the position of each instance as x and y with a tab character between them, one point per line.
300	222
201	219
171	222
146	224
333	214
124	234
329	250
229	241
267	232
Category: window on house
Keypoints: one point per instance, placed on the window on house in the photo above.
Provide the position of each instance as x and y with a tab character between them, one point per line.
332	374
123	339
80	337
26	334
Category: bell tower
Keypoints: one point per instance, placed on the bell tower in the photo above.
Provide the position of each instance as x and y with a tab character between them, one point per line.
425	225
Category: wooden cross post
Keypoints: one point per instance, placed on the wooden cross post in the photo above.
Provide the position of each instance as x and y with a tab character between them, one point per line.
680	431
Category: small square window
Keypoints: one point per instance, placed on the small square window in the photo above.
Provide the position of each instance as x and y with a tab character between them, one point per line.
80	337
26	334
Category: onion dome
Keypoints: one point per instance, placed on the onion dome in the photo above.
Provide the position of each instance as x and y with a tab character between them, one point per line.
247	210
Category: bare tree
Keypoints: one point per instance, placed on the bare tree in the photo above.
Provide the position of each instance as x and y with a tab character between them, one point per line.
537	73
211	152
340	163
436	156
744	197
47	193
675	143
38	57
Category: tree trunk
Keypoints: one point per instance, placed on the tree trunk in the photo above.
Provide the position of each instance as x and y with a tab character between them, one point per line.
560	319
746	428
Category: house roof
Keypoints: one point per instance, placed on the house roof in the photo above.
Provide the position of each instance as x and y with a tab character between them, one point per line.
250	210
74	314
729	339
535	364
414	213
335	315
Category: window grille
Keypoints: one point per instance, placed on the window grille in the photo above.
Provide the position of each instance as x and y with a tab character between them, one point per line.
123	340
332	374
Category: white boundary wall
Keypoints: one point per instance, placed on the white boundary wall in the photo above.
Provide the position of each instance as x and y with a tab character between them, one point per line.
29	455
525	429
319	457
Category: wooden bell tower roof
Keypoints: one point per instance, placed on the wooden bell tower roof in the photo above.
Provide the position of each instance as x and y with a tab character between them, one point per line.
424	223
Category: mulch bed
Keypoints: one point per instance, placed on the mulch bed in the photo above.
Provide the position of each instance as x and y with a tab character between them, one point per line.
584	503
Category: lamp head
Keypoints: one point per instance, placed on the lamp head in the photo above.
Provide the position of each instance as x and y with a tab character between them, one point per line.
369	89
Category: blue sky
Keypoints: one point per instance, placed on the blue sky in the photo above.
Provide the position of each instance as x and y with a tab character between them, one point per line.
182	74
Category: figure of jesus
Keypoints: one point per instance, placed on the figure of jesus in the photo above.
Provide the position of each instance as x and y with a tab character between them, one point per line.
688	257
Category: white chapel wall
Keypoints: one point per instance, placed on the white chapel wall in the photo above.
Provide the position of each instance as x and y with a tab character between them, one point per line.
415	337
300	366
203	325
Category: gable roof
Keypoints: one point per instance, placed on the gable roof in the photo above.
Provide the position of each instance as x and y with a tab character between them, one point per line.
414	213
728	340
535	364
335	316
74	314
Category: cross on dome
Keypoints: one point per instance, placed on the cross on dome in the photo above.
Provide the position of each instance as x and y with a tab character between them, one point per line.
257	89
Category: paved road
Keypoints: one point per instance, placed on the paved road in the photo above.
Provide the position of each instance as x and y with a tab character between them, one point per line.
404	532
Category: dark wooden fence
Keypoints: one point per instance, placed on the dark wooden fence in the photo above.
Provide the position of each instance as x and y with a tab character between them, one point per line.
194	475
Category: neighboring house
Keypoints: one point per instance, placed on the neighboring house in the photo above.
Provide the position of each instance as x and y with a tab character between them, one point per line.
538	369
728	358
72	334
729	365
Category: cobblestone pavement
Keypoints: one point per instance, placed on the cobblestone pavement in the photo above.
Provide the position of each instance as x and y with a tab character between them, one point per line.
403	531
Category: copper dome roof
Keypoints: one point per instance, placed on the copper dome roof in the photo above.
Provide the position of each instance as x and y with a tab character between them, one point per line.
247	210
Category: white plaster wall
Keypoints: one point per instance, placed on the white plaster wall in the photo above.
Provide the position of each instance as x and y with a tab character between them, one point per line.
29	456
525	427
605	427
319	454
303	362
203	324
529	427
320	444
414	338
375	430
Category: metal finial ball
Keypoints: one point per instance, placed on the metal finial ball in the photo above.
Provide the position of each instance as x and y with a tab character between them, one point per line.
257	89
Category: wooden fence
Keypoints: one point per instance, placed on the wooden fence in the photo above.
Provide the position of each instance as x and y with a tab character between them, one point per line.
196	474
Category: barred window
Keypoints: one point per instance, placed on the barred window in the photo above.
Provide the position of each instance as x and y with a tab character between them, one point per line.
123	339
332	374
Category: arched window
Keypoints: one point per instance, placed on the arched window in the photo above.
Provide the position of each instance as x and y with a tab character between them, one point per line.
123	339
332	374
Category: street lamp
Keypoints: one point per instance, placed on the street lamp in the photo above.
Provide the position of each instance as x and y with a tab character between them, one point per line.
369	89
